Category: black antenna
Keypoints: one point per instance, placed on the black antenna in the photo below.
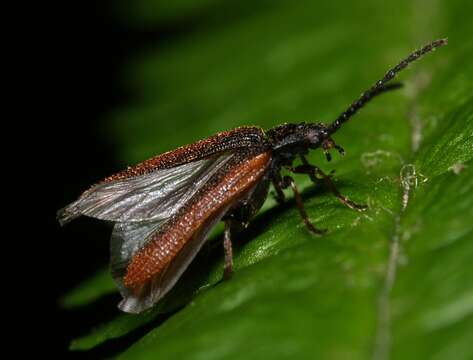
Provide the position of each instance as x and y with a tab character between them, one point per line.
380	86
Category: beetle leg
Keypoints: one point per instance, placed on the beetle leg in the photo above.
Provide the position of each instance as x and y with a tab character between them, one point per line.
287	181
314	171
278	186
227	246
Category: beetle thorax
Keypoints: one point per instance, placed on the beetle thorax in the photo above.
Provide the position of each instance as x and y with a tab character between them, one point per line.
290	140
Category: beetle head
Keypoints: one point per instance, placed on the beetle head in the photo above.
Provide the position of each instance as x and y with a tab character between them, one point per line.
290	140
288	136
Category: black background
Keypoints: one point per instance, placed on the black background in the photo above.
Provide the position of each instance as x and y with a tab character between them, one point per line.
83	49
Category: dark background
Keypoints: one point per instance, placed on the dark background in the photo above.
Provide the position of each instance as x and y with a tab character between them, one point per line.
88	47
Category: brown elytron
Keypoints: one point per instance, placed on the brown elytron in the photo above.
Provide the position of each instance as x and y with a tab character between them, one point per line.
245	136
164	208
162	248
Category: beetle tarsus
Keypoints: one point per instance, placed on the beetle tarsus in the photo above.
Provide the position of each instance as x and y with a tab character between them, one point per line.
227	246
316	174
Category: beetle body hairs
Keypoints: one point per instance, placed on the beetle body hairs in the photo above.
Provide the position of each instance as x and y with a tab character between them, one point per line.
164	208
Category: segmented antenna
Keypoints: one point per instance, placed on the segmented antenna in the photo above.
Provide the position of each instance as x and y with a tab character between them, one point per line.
380	86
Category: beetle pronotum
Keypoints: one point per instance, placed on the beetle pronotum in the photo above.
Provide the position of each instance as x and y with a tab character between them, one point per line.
165	207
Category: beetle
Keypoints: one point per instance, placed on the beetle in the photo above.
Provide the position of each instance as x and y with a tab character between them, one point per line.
164	208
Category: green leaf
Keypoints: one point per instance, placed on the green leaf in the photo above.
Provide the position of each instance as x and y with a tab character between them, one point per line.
90	290
393	282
